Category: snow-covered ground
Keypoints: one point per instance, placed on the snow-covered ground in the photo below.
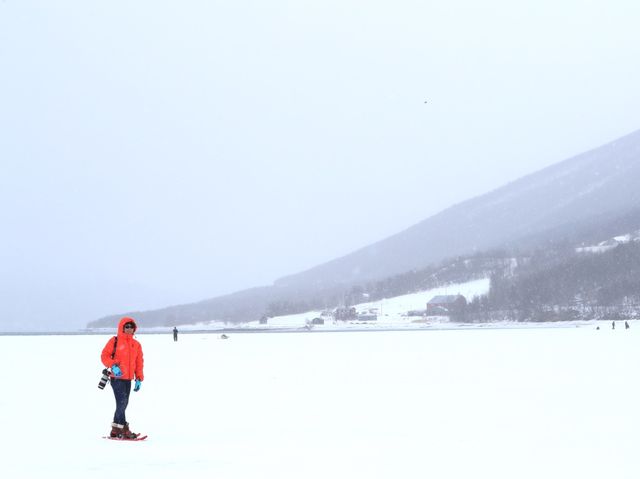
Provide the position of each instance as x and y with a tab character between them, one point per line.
475	403
609	244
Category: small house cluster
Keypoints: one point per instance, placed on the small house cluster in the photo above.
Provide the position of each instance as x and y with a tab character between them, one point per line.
345	314
446	305
441	305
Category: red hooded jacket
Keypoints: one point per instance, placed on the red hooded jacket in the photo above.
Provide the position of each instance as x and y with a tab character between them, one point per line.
128	353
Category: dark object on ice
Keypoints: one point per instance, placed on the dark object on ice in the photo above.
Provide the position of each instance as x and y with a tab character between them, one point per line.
175	333
224	336
613	325
626	325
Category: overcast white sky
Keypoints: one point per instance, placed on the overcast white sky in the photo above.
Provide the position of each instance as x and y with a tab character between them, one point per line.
162	152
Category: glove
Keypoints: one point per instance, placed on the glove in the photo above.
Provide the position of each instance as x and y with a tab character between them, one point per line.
136	388
115	369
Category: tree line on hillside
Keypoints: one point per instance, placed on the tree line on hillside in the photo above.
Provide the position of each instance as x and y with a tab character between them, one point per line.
549	284
562	284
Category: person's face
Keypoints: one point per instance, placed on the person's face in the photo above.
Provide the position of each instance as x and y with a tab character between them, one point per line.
128	329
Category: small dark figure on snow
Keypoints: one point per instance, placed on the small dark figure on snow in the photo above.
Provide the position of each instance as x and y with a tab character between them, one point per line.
613	325
123	355
626	325
175	333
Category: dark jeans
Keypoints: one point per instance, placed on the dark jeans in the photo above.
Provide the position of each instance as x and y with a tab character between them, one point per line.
121	390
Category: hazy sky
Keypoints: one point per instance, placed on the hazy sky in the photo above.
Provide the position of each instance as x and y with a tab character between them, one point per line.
163	152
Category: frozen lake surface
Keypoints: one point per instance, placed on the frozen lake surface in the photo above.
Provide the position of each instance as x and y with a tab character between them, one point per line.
498	403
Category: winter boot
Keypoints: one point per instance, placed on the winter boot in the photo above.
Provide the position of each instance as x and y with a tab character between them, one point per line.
127	434
117	430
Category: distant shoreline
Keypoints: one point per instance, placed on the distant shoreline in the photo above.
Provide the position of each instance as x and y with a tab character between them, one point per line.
372	329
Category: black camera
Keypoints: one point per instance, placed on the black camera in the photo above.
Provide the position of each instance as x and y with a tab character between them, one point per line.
104	379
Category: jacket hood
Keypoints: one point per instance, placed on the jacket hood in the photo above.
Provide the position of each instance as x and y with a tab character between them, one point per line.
124	321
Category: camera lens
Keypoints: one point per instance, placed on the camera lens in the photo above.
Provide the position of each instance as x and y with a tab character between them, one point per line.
104	379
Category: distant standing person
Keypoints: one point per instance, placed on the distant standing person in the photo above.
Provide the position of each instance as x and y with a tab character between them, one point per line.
175	333
123	355
626	325
613	325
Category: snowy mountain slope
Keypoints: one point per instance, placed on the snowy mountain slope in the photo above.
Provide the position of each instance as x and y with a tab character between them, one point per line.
587	198
596	186
604	246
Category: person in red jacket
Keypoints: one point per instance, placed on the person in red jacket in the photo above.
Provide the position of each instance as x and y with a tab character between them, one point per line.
123	355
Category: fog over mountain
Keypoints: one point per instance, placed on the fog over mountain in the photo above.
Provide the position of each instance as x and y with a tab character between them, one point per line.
158	153
599	183
587	197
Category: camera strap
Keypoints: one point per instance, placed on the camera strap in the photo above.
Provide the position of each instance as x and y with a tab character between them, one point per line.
115	345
